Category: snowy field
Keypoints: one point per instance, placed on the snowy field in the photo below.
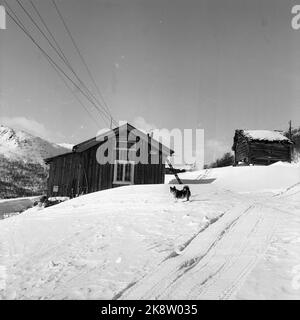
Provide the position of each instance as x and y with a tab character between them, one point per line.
238	238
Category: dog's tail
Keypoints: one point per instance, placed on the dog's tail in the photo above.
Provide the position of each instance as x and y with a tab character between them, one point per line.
187	190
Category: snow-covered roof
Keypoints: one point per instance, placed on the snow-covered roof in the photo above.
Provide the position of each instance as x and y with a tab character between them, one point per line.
265	135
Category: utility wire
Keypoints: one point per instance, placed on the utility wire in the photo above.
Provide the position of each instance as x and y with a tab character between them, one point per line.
49	31
76	97
60	49
19	23
81	56
65	60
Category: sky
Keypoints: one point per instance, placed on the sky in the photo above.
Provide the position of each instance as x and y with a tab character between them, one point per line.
218	65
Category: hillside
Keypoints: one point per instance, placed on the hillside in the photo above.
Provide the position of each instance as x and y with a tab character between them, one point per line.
236	238
19	145
22	170
21	179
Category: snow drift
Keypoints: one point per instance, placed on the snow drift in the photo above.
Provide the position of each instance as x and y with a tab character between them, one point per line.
247	178
137	241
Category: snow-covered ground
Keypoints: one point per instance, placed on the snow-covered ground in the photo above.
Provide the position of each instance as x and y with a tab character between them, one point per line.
237	238
245	179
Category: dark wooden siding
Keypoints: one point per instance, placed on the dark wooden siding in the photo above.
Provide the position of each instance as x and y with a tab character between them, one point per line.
149	174
65	173
267	153
260	152
98	176
242	150
78	173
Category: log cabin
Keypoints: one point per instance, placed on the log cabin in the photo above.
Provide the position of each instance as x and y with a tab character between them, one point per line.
261	147
85	169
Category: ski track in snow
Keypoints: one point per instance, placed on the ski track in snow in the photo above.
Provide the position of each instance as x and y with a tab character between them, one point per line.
222	264
219	269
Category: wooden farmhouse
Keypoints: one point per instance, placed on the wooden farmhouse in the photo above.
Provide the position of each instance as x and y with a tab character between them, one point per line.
116	157
261	147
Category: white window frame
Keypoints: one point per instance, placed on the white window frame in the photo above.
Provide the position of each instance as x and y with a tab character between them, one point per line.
124	162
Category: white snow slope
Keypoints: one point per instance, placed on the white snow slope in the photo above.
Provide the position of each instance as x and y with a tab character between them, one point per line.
136	242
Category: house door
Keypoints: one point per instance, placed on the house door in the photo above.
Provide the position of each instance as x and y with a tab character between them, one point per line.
123	172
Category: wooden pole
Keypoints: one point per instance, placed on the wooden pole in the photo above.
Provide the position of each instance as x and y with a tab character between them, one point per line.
174	172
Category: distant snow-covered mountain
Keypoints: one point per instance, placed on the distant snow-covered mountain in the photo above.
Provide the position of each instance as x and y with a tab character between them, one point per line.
23	172
18	145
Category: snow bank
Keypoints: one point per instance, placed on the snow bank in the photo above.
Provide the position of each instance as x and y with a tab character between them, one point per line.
257	178
247	178
93	246
97	245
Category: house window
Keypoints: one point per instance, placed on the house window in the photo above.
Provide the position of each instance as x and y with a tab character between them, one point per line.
123	148
123	172
120	170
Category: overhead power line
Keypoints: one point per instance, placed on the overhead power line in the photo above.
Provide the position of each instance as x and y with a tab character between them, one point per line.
77	98
48	30
57	68
81	57
64	59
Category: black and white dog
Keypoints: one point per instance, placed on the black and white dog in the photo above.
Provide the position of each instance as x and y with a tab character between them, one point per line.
181	194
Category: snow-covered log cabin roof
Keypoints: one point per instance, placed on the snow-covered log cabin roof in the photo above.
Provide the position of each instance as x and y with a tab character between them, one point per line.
268	136
265	135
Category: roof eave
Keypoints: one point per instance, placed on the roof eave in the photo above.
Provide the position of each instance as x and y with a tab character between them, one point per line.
48	160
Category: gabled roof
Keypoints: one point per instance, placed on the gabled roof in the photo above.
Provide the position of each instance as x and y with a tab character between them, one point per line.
269	136
109	133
